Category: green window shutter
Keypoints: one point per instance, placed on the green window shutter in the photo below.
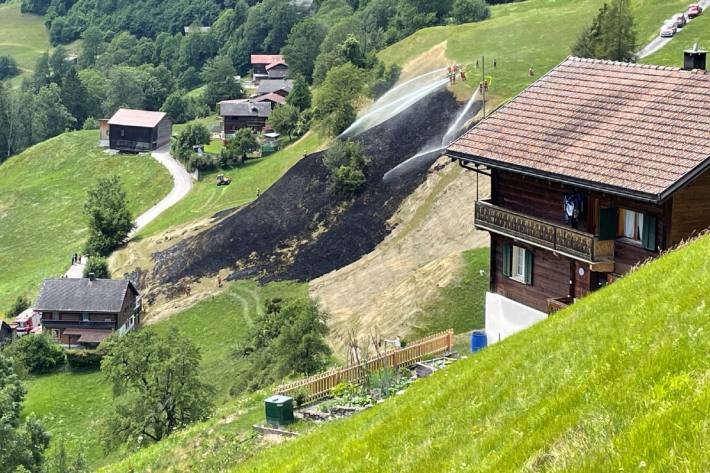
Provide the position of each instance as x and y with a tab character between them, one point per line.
529	267
608	221
649	232
507	259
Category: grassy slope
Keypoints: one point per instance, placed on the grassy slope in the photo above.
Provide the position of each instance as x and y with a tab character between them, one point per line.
535	33
71	404
697	30
23	37
43	190
618	380
206	199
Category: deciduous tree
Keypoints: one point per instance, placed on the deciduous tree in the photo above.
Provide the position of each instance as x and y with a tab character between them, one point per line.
156	384
109	218
284	119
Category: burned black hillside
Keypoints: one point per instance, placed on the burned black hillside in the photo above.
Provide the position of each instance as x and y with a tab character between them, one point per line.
299	229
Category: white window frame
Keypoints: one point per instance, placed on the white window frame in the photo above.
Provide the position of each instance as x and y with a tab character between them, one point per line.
518	261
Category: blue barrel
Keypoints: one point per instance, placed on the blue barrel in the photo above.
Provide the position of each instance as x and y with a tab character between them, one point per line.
479	341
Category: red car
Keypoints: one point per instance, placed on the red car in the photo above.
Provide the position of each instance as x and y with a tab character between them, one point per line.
694	10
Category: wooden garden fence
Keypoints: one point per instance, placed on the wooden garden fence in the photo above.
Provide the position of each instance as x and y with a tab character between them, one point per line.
320	385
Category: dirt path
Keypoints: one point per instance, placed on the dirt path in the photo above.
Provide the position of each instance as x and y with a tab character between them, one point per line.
659	42
182	183
385	290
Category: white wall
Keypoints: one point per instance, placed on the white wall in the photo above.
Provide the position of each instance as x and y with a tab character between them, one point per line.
504	317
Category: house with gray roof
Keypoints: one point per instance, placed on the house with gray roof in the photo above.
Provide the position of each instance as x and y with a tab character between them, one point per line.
243	113
282	87
83	312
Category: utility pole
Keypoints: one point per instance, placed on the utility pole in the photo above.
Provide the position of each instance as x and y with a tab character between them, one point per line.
483	83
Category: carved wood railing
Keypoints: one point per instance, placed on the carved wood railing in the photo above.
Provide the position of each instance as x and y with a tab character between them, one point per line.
542	233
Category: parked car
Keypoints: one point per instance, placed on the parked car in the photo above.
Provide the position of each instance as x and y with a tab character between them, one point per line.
694	10
680	20
668	29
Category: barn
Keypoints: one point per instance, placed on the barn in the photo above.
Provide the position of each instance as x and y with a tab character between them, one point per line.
139	130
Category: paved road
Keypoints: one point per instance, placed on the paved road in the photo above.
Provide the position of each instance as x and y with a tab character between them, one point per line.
659	42
182	183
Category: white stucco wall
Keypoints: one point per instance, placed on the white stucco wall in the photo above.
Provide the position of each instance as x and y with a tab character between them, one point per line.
504	317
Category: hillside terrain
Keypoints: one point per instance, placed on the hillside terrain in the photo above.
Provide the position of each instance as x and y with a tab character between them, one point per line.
617	382
697	31
23	37
43	192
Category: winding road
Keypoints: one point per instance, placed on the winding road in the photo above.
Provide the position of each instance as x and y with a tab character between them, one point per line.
659	42
182	183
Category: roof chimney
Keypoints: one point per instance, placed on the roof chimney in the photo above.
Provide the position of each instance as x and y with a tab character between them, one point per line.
92	277
694	58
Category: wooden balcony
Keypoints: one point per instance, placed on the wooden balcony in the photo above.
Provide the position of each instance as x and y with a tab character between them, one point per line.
558	303
551	236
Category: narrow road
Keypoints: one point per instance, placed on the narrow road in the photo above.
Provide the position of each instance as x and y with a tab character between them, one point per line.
182	183
659	42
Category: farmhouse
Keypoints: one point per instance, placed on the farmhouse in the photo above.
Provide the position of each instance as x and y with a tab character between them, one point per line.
594	168
272	66
139	130
272	98
87	310
280	87
243	113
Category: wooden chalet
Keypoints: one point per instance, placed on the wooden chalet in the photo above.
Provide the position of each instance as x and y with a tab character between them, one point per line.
83	312
268	66
281	87
273	99
243	113
594	168
139	130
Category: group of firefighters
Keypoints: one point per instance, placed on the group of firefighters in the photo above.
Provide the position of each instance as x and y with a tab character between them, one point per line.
455	70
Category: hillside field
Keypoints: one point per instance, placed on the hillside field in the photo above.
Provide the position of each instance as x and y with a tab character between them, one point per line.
206	198
697	31
534	34
62	402
617	382
43	191
23	37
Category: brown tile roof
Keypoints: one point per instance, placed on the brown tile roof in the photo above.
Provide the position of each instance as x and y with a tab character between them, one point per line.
139	118
273	97
625	128
267	59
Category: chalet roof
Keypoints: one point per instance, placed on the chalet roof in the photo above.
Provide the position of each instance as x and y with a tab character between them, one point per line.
271	97
272	85
83	295
267	59
244	108
88	335
139	118
628	129
276	64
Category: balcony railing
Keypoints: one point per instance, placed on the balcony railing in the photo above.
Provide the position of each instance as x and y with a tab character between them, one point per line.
49	323
551	236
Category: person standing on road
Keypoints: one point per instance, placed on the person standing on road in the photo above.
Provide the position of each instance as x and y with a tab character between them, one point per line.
495	63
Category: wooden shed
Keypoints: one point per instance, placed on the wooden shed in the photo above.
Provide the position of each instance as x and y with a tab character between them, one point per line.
139	130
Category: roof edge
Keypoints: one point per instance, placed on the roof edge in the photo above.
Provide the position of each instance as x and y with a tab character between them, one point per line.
619	191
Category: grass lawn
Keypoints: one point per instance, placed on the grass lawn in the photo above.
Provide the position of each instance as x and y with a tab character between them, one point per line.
697	31
23	37
616	382
72	404
206	198
534	33
461	305
43	191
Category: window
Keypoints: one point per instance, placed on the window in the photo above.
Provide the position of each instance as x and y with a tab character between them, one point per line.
638	227
517	263
84	317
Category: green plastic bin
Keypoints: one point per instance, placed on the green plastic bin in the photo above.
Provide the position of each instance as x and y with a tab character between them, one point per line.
279	410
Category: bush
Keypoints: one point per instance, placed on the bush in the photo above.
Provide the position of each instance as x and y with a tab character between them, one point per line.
97	265
346	163
85	359
8	67
90	124
205	162
21	304
300	396
469	11
38	353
